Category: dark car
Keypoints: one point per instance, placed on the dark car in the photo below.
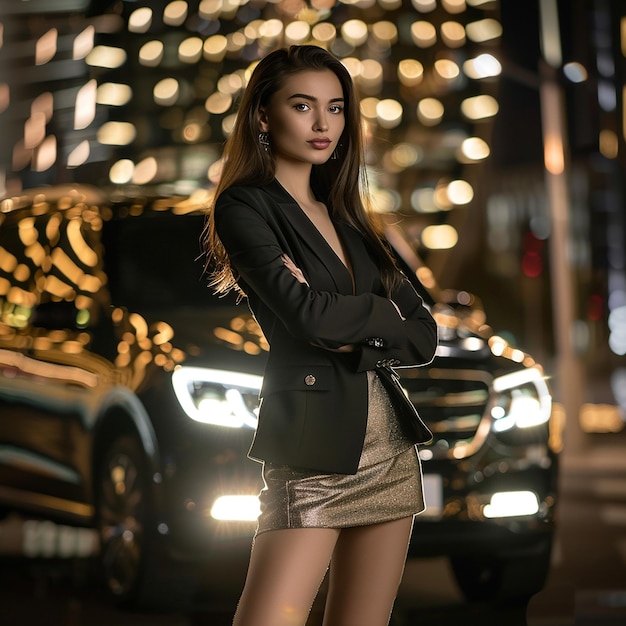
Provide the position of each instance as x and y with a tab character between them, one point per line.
128	400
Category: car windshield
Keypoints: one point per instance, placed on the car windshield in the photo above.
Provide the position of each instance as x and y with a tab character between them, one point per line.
154	261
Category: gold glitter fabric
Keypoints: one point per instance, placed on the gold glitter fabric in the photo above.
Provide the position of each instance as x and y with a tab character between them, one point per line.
387	485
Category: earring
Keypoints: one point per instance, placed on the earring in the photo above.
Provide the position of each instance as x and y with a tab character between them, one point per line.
264	141
334	156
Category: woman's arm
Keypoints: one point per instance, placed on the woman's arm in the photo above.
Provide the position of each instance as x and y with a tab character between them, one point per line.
319	317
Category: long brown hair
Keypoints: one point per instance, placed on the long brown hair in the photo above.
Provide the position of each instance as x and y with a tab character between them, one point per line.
339	182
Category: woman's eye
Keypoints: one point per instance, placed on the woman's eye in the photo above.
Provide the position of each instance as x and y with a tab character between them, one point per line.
302	107
336	109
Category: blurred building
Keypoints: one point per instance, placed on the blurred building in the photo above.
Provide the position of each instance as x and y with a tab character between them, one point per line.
137	97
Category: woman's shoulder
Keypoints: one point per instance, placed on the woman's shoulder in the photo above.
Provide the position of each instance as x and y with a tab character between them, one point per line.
254	195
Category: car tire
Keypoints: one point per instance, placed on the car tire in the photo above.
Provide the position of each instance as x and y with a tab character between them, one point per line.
125	515
135	571
490	578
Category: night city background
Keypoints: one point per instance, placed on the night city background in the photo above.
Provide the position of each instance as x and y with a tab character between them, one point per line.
495	133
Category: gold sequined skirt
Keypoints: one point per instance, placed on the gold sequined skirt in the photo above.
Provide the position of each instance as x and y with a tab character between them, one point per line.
387	485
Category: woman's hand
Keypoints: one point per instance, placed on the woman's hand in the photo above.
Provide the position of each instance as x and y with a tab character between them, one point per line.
296	272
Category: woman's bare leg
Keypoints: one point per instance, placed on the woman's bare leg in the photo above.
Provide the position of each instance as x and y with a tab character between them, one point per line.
286	570
365	572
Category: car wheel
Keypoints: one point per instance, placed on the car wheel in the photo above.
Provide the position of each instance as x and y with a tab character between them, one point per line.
124	516
489	578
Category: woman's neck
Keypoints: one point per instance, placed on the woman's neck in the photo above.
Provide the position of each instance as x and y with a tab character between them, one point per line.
296	180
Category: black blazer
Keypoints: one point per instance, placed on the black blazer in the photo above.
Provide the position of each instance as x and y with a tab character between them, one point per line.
313	410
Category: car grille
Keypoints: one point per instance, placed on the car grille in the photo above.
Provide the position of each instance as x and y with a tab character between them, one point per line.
453	404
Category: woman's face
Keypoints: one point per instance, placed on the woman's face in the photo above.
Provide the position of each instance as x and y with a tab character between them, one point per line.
305	118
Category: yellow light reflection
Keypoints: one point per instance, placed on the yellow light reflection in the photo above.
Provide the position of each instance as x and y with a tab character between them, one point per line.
553	156
424	6
190	50
166	91
453	34
90	283
423	34
121	172
43	103
426	277
8	261
175	13
250	347
405	155
165	333
297	32
389	113
353	65
80	247
385	32
410	72
423	200
85	110
5	96
475	149
230	84
48	370
140	20
479	107
83	44
218	103
354	32
484	30
608	144
107	57
367	107
447	69
145	171
45	155
454	6
235	42
21	273
140	325
370	78
270	31
151	53
46	47
114	94
439	237
34	130
68	268
116	133
483	66
210	9
460	192
21	156
214	48
387	5
430	111
324	32
228	123
58	288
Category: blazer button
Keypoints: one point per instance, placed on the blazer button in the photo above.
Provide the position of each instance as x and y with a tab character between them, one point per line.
309	379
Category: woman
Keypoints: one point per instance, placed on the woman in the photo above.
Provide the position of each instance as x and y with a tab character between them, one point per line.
289	230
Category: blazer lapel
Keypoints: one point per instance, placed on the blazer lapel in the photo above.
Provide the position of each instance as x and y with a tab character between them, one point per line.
363	269
313	239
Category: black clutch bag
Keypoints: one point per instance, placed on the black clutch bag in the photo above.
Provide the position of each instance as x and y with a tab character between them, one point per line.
409	418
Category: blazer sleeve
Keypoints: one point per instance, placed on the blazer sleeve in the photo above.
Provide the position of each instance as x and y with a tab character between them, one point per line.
318	316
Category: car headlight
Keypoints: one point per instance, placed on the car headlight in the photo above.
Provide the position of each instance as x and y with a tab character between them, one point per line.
218	397
522	400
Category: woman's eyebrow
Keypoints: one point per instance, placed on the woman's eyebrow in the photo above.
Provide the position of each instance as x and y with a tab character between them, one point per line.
312	98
